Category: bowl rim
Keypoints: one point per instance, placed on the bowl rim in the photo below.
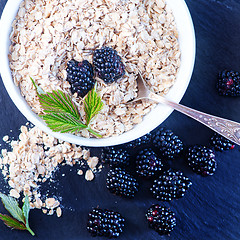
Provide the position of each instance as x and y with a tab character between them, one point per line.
187	47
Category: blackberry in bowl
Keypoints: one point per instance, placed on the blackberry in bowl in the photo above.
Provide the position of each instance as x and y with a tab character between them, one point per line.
80	76
108	64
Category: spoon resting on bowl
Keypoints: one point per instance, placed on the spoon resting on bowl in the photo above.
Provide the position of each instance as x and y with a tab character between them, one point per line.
227	128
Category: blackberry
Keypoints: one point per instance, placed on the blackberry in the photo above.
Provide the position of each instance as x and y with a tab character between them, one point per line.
139	142
108	64
105	223
121	183
167	143
115	157
80	76
161	219
220	143
170	185
147	163
228	83
201	159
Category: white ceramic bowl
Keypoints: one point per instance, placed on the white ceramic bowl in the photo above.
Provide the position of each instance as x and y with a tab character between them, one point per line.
150	121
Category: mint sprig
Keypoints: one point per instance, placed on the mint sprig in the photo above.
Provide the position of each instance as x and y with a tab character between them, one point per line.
92	105
20	217
61	113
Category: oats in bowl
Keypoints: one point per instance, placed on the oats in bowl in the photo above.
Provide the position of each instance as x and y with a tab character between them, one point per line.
46	35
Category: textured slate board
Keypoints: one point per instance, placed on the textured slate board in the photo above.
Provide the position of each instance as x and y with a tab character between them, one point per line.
210	210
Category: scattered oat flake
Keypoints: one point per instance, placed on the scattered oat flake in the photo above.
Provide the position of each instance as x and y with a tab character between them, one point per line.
6	138
59	212
89	176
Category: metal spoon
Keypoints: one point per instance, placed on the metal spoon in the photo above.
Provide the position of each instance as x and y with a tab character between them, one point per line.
227	128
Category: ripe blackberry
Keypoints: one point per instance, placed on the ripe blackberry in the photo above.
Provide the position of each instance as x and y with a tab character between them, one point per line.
139	142
220	143
105	223
161	219
115	157
201	159
228	83
147	163
108	64
80	76
121	183
170	185
167	143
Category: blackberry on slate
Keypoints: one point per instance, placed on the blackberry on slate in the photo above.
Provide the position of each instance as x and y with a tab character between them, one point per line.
147	163
80	76
115	157
105	223
161	219
170	185
121	183
167	143
108	64
201	159
228	83
139	142
220	143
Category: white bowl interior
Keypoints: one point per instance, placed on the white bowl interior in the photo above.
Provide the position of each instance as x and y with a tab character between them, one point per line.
150	121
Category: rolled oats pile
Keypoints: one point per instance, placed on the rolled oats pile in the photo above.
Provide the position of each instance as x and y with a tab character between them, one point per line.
33	159
47	34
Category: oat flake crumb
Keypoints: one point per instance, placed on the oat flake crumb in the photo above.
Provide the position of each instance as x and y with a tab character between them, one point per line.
6	138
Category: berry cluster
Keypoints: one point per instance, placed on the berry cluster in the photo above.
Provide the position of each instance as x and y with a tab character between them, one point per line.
105	223
228	83
202	160
107	65
161	219
148	163
152	163
121	183
170	185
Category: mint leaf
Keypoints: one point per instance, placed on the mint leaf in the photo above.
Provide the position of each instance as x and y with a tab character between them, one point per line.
11	222
61	113
58	101
60	122
12	206
92	104
25	211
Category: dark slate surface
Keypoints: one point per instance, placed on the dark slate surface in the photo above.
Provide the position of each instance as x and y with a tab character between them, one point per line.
210	210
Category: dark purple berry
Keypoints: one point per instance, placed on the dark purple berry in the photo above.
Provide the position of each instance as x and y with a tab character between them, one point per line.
80	76
161	219
170	185
228	83
202	160
108	64
106	223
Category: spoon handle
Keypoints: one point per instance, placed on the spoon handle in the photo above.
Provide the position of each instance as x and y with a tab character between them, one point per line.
227	128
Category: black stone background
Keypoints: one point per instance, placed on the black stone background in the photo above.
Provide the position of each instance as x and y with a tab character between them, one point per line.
210	210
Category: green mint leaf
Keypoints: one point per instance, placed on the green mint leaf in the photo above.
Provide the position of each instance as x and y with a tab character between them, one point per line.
26	209
60	122
38	89
58	101
61	113
12	206
12	223
92	105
